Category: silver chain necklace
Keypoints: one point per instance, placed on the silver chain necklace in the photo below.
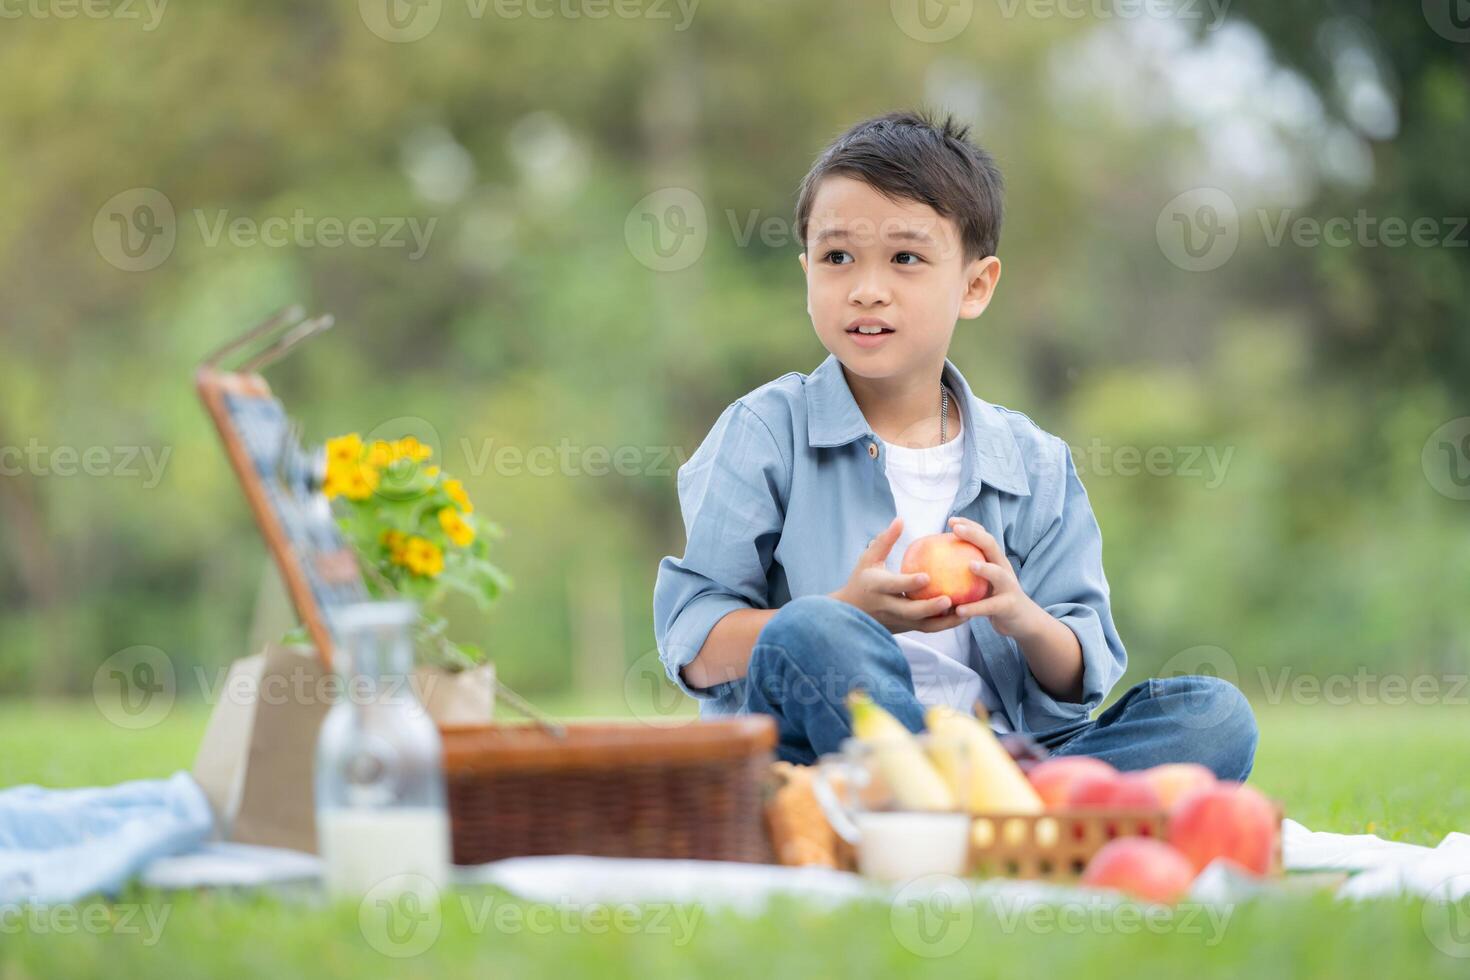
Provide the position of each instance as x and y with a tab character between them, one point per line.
943	414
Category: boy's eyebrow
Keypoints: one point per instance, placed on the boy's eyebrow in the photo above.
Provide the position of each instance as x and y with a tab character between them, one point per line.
898	234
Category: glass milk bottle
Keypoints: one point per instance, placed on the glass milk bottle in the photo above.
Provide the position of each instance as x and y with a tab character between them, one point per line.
382	824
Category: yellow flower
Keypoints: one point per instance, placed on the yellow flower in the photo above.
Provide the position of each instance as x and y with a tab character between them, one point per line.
351	480
410	448
455	489
423	557
344	449
347	475
456	527
394	540
431	472
360	483
380	453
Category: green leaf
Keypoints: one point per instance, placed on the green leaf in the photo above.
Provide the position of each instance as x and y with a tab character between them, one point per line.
456	580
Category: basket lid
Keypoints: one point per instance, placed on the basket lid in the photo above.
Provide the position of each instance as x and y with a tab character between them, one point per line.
478	748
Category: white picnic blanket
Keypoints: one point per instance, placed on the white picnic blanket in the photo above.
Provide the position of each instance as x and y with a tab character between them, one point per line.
59	845
1380	868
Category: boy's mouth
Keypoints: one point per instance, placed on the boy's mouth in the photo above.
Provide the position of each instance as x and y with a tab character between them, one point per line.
869	326
869	332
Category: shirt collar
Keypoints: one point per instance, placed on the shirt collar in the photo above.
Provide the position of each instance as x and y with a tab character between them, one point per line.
991	452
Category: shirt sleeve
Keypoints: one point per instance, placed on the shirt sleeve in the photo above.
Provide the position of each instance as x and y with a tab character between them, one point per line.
1063	573
731	494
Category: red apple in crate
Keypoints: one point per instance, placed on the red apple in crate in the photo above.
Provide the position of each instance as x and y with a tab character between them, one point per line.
1091	791
1130	790
1142	867
1175	780
1135	791
1053	778
1227	820
946	559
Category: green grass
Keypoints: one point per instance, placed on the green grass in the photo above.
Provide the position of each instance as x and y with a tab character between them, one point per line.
1390	771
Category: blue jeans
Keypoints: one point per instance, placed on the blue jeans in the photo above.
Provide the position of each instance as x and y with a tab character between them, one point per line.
816	648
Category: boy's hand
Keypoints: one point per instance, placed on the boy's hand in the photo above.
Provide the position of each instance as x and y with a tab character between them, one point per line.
1010	610
880	593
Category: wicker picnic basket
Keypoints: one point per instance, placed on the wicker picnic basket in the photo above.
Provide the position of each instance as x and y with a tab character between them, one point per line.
613	789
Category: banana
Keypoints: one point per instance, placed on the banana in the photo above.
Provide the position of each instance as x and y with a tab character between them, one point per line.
897	757
964	749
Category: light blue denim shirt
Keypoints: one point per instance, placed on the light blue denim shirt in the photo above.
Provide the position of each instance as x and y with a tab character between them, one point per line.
788	488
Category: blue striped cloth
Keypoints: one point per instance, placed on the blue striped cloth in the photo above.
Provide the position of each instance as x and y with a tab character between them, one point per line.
61	845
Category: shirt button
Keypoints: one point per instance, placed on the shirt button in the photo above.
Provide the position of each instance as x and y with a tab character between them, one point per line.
873	449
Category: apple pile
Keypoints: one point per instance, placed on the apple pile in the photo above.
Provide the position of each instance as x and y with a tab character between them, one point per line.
1207	819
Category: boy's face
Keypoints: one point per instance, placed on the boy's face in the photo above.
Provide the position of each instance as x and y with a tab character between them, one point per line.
898	264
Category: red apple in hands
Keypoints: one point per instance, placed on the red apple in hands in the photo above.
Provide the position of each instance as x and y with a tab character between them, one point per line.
1175	780
1053	778
1227	820
946	558
1141	867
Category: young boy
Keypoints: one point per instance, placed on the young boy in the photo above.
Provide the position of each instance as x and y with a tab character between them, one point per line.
800	502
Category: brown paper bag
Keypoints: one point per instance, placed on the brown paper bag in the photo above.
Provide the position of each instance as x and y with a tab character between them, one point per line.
256	759
465	697
255	762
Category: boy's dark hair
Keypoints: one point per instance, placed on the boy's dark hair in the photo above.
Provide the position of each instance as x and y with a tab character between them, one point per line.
914	156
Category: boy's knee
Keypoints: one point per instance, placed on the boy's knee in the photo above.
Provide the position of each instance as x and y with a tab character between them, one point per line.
816	627
800	622
1217	719
830	642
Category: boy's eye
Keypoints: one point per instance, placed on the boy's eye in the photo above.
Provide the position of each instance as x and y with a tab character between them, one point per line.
836	257
901	256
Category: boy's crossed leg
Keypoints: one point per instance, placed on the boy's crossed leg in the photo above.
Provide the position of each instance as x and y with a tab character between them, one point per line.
816	649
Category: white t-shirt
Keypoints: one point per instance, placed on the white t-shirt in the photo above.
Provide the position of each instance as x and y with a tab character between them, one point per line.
924	483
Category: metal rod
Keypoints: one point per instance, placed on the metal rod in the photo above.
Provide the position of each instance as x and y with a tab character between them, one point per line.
530	711
290	314
283	346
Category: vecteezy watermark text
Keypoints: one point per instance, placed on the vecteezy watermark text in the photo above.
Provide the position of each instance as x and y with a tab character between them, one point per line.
136	230
569	459
404	21
937	21
123	462
65	919
304	230
934	916
1364	686
402	916
1193	462
150	12
1200	229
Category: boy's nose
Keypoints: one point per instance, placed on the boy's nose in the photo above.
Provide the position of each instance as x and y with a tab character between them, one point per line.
869	290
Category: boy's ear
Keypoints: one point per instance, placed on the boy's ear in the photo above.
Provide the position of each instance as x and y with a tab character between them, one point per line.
806	274
981	278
